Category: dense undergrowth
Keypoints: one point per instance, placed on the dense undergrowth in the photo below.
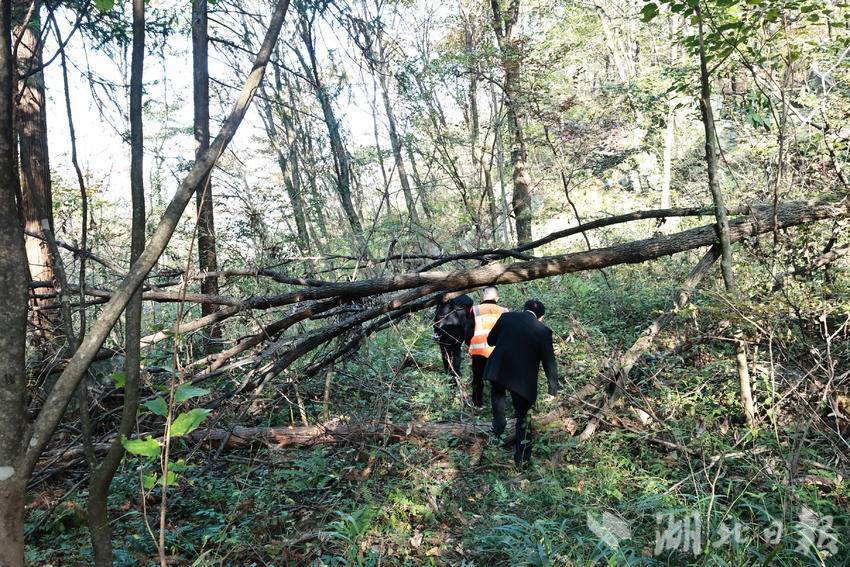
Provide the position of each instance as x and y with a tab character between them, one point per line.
674	450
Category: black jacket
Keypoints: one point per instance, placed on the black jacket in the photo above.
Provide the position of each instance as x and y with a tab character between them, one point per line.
450	320
522	343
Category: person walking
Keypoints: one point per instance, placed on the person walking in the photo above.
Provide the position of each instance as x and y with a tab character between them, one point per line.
521	344
482	318
450	320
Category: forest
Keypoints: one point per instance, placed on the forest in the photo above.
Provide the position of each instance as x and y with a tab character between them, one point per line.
228	231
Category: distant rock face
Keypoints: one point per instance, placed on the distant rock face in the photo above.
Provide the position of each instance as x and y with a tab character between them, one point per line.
639	172
819	81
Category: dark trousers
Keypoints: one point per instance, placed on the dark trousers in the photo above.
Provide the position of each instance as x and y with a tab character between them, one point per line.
478	365
451	357
522	451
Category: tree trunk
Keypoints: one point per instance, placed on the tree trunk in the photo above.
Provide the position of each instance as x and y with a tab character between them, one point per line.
97	513
503	24
13	314
36	190
316	201
395	142
500	164
746	388
288	168
669	140
12	522
334	432
711	155
207	254
420	189
477	153
620	372
342	163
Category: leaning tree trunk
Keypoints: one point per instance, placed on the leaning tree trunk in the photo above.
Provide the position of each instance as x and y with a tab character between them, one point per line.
97	513
13	314
38	435
711	155
342	163
31	123
503	24
207	255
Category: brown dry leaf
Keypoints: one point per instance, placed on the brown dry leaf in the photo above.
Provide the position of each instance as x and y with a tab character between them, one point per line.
433	552
416	539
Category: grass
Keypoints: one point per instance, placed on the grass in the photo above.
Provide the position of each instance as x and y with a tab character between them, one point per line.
429	502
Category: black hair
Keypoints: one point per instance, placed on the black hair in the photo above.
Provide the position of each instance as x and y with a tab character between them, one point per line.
535	306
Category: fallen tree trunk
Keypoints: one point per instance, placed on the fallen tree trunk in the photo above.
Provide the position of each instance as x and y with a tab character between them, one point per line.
761	221
335	432
626	362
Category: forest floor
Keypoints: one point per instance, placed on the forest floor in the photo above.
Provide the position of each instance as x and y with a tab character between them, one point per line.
672	478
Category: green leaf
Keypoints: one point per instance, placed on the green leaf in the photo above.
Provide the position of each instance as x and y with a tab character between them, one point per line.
171	478
157	406
149	481
104	5
120	378
146	447
187	391
188	422
649	11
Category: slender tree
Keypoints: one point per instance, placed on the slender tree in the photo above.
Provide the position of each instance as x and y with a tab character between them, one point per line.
97	514
504	22
13	313
207	254
341	160
711	158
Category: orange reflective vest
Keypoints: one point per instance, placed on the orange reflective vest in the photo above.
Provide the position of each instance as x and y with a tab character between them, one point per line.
486	315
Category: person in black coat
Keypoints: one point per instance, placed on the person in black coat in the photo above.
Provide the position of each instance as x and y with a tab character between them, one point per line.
522	343
450	321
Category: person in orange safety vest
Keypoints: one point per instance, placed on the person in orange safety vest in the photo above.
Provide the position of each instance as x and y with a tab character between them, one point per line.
483	317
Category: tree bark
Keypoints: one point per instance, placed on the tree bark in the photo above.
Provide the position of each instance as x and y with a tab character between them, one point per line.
503	24
417	179
395	143
711	159
334	432
288	171
97	514
746	388
500	165
669	140
13	314
204	202
36	190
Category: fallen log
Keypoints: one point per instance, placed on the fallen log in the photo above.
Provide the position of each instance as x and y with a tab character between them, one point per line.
335	432
760	220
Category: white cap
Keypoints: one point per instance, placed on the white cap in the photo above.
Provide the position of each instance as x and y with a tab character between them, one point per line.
490	293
